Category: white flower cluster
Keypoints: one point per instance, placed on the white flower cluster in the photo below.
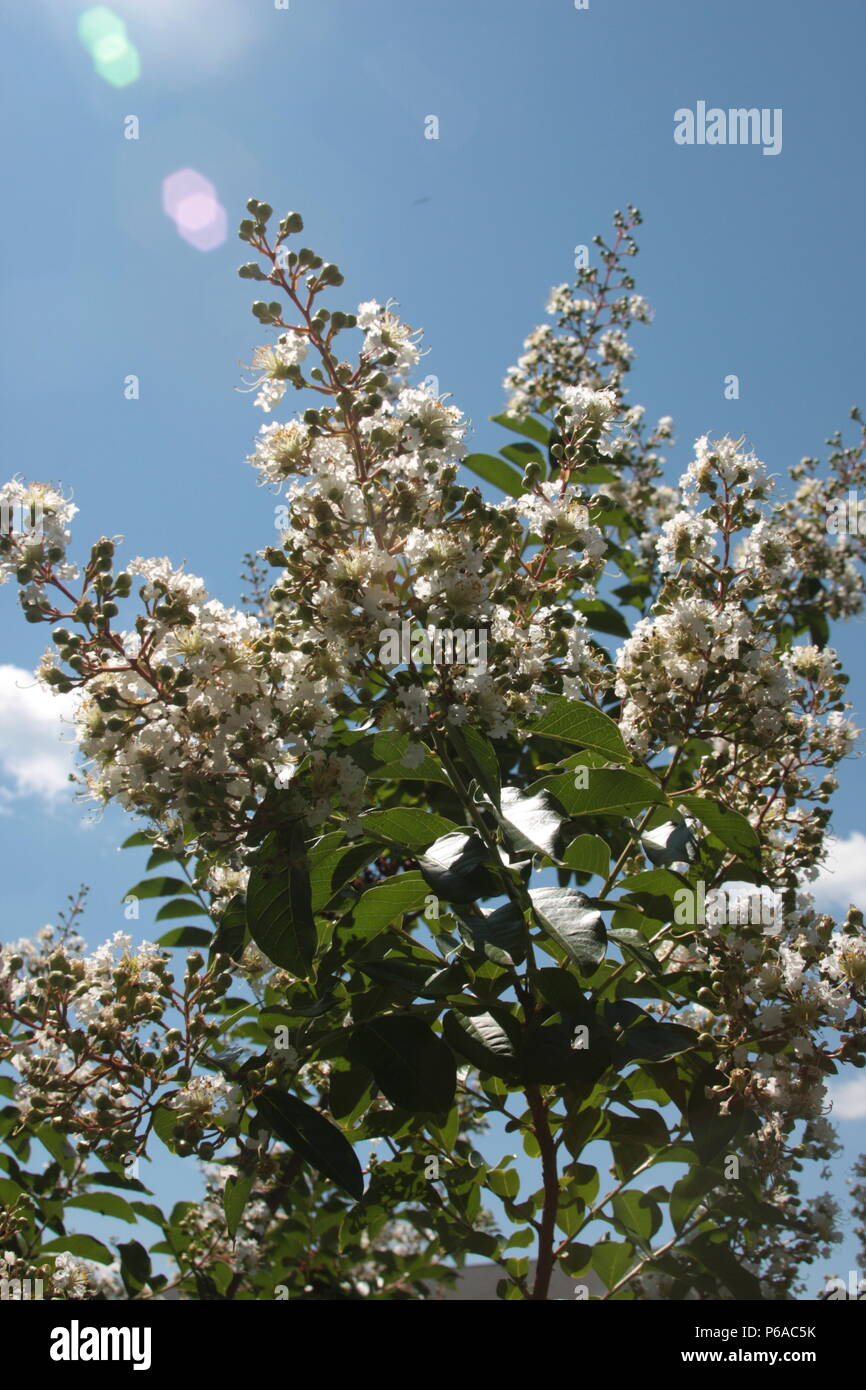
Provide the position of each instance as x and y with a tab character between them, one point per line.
277	361
34	532
385	335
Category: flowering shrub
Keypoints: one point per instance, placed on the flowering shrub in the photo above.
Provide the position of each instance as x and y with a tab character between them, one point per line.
437	891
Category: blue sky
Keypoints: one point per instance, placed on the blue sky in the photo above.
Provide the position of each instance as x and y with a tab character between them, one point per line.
549	118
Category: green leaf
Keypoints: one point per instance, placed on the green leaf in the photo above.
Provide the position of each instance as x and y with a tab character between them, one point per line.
589	854
715	1256
496	471
428	770
654	891
185	936
505	1182
140	840
160	857
406	975
603	617
103	1178
532	822
479	756
689	1192
107	1203
522	454
85	1247
729	826
347	1089
482	1041
637	1214
634	945
561	991
455	870
572	721
608	790
382	757
230	936
332	865
135	1265
644	1038
611	1260
235	1196
500	934
314	1138
159	888
670	843
525	425
388	901
170	911
713	1130
413	1067
407	826
150	1212
567	916
165	1121
575	1259
279	901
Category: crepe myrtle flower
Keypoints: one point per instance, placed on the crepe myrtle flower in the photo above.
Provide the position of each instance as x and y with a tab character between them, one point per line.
193	714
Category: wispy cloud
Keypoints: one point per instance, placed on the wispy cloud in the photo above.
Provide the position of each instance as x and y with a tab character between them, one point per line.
843	878
849	1099
36	746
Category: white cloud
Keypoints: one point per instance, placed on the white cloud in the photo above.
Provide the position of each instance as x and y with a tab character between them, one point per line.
849	1099
36	746
842	880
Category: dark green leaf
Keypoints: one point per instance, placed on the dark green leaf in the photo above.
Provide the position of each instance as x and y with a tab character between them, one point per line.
496	471
455	870
107	1203
689	1192
185	936
670	843
482	1041
172	910
525	425
729	826
634	945
333	864
608	790
603	617
135	1265
235	1196
407	826
588	853
158	888
713	1129
716	1256
388	901
572	721
611	1260
279	901
412	1066
231	932
500	934
479	757
561	991
532	823
567	916
314	1138
85	1247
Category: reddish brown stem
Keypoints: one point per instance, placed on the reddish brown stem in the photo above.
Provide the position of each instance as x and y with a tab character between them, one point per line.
550	1178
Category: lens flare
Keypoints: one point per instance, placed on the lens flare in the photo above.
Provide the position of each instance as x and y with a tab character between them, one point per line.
191	201
115	57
